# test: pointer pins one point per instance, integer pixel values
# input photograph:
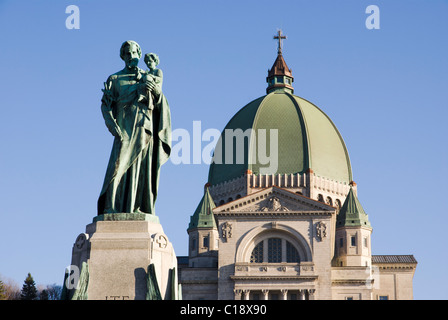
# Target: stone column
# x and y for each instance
(310, 183)
(301, 294)
(311, 294)
(237, 293)
(284, 294)
(248, 181)
(265, 294)
(245, 295)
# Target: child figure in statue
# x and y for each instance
(152, 61)
(153, 74)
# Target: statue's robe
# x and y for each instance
(132, 175)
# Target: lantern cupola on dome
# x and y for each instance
(279, 76)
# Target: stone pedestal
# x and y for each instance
(124, 257)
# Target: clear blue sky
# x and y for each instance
(386, 91)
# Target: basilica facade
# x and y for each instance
(287, 226)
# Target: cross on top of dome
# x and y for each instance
(279, 37)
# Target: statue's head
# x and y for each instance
(131, 53)
(152, 60)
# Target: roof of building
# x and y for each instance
(182, 260)
(279, 76)
(393, 259)
(203, 216)
(279, 68)
(306, 136)
(352, 213)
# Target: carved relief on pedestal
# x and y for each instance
(161, 240)
(81, 240)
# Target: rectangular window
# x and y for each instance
(205, 242)
(193, 244)
(274, 250)
(348, 298)
(341, 242)
(291, 253)
(383, 298)
(353, 239)
(365, 242)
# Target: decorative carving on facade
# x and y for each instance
(273, 201)
(228, 189)
(307, 268)
(274, 205)
(242, 268)
(226, 231)
(321, 230)
(282, 268)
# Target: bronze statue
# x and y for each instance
(137, 114)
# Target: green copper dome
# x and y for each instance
(307, 139)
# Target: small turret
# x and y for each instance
(353, 233)
(203, 234)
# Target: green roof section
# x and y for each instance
(307, 139)
(328, 155)
(306, 136)
(352, 214)
(220, 170)
(279, 112)
(203, 216)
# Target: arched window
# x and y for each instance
(278, 250)
(320, 198)
(338, 203)
(329, 201)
